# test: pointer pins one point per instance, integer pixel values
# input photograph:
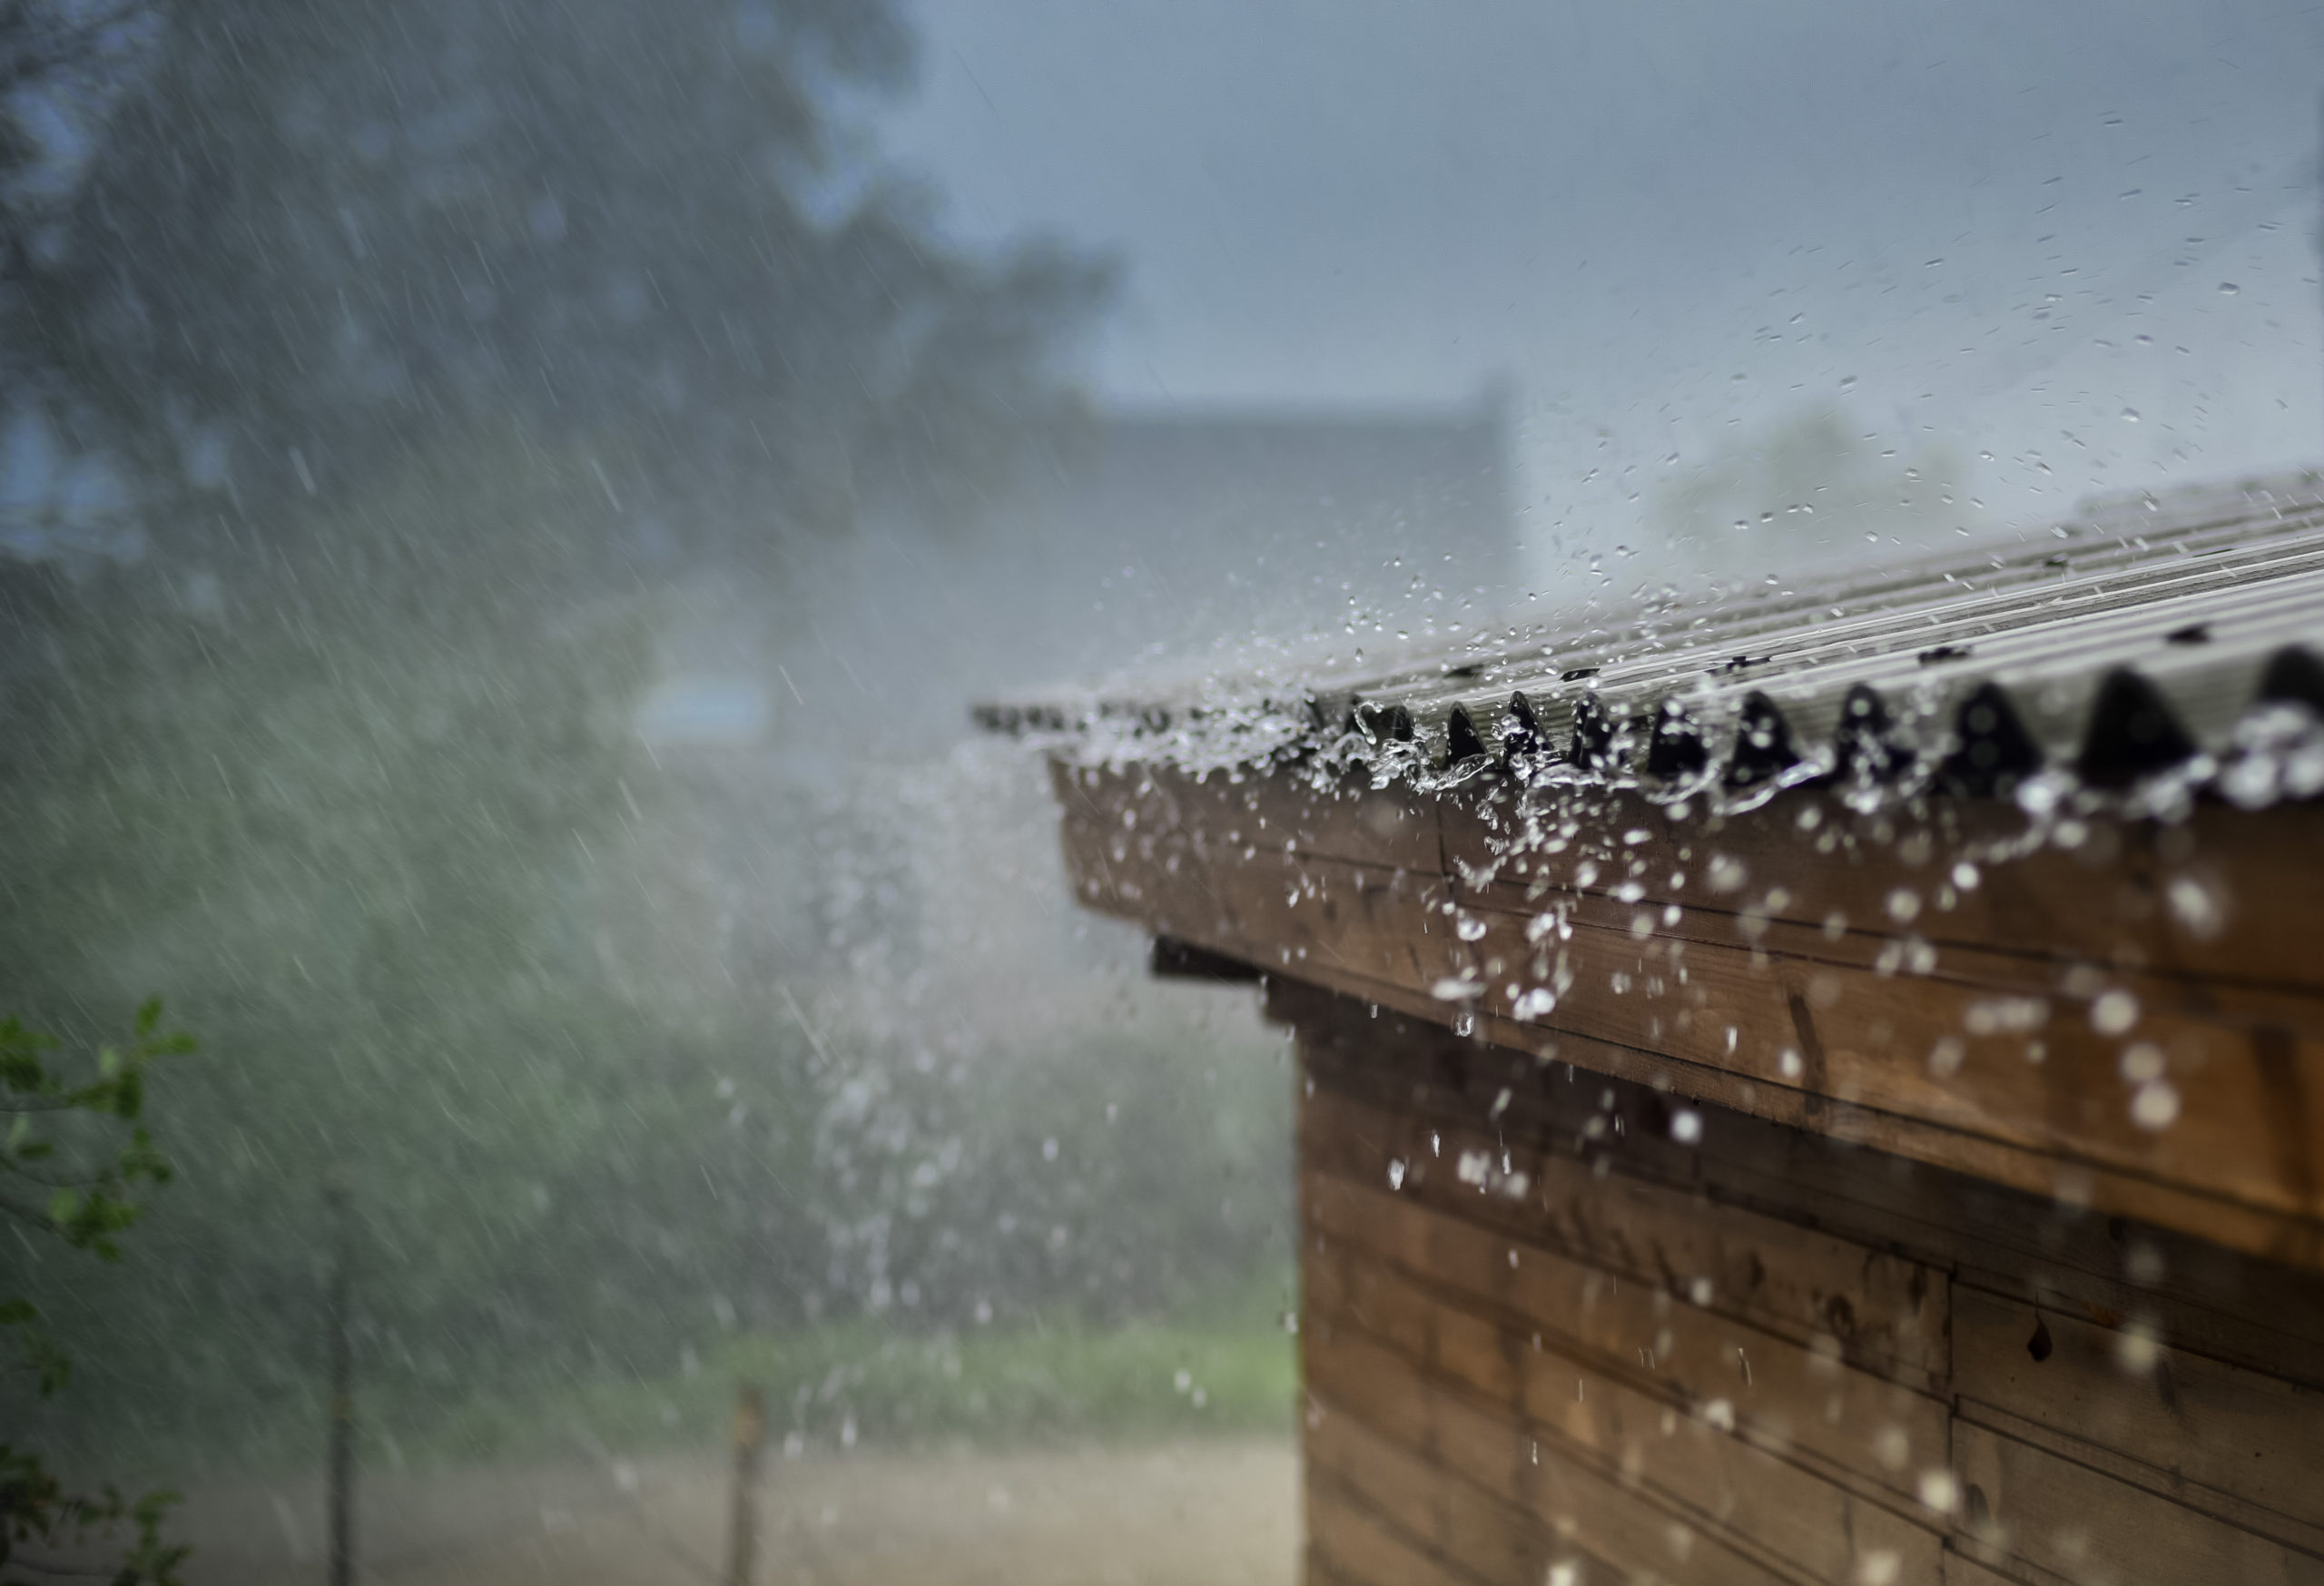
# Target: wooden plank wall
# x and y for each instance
(1807, 965)
(1560, 1328)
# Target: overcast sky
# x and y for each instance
(1672, 223)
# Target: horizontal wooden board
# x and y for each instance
(2216, 1437)
(1885, 1312)
(2015, 1069)
(2129, 1450)
(1963, 1570)
(1899, 950)
(2088, 1527)
(1737, 993)
(1353, 1543)
(1926, 1048)
(1695, 1464)
(1804, 1398)
(1361, 919)
(2203, 901)
(2201, 1296)
(1479, 1532)
(2073, 1183)
(1575, 1500)
(2200, 903)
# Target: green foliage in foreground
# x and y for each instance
(1233, 1368)
(67, 1173)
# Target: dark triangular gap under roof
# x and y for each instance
(1995, 753)
(1763, 745)
(1676, 749)
(2132, 732)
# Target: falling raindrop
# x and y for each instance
(2114, 1012)
(2156, 1106)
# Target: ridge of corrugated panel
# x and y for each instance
(2170, 640)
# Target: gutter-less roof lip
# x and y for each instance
(2159, 647)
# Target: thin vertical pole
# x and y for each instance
(750, 1431)
(342, 1473)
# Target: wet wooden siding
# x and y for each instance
(1559, 1326)
(1839, 973)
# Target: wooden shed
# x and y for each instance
(1810, 1086)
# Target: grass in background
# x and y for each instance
(1231, 1367)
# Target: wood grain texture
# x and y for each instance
(1351, 1543)
(1493, 1290)
(1807, 1397)
(1480, 1533)
(2088, 1527)
(1696, 1465)
(1884, 1312)
(1569, 1499)
(2243, 1444)
(2199, 1294)
(2045, 1028)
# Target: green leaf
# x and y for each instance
(64, 1207)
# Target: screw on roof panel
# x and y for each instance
(2132, 733)
(1763, 747)
(1996, 753)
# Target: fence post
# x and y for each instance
(341, 1455)
(750, 1432)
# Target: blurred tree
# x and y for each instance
(64, 63)
(332, 812)
(61, 63)
(428, 328)
(322, 235)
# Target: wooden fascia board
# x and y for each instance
(1873, 993)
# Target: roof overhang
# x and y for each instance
(2096, 974)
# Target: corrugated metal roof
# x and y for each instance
(2153, 646)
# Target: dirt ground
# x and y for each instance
(1207, 1513)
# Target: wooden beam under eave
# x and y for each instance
(1961, 1028)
